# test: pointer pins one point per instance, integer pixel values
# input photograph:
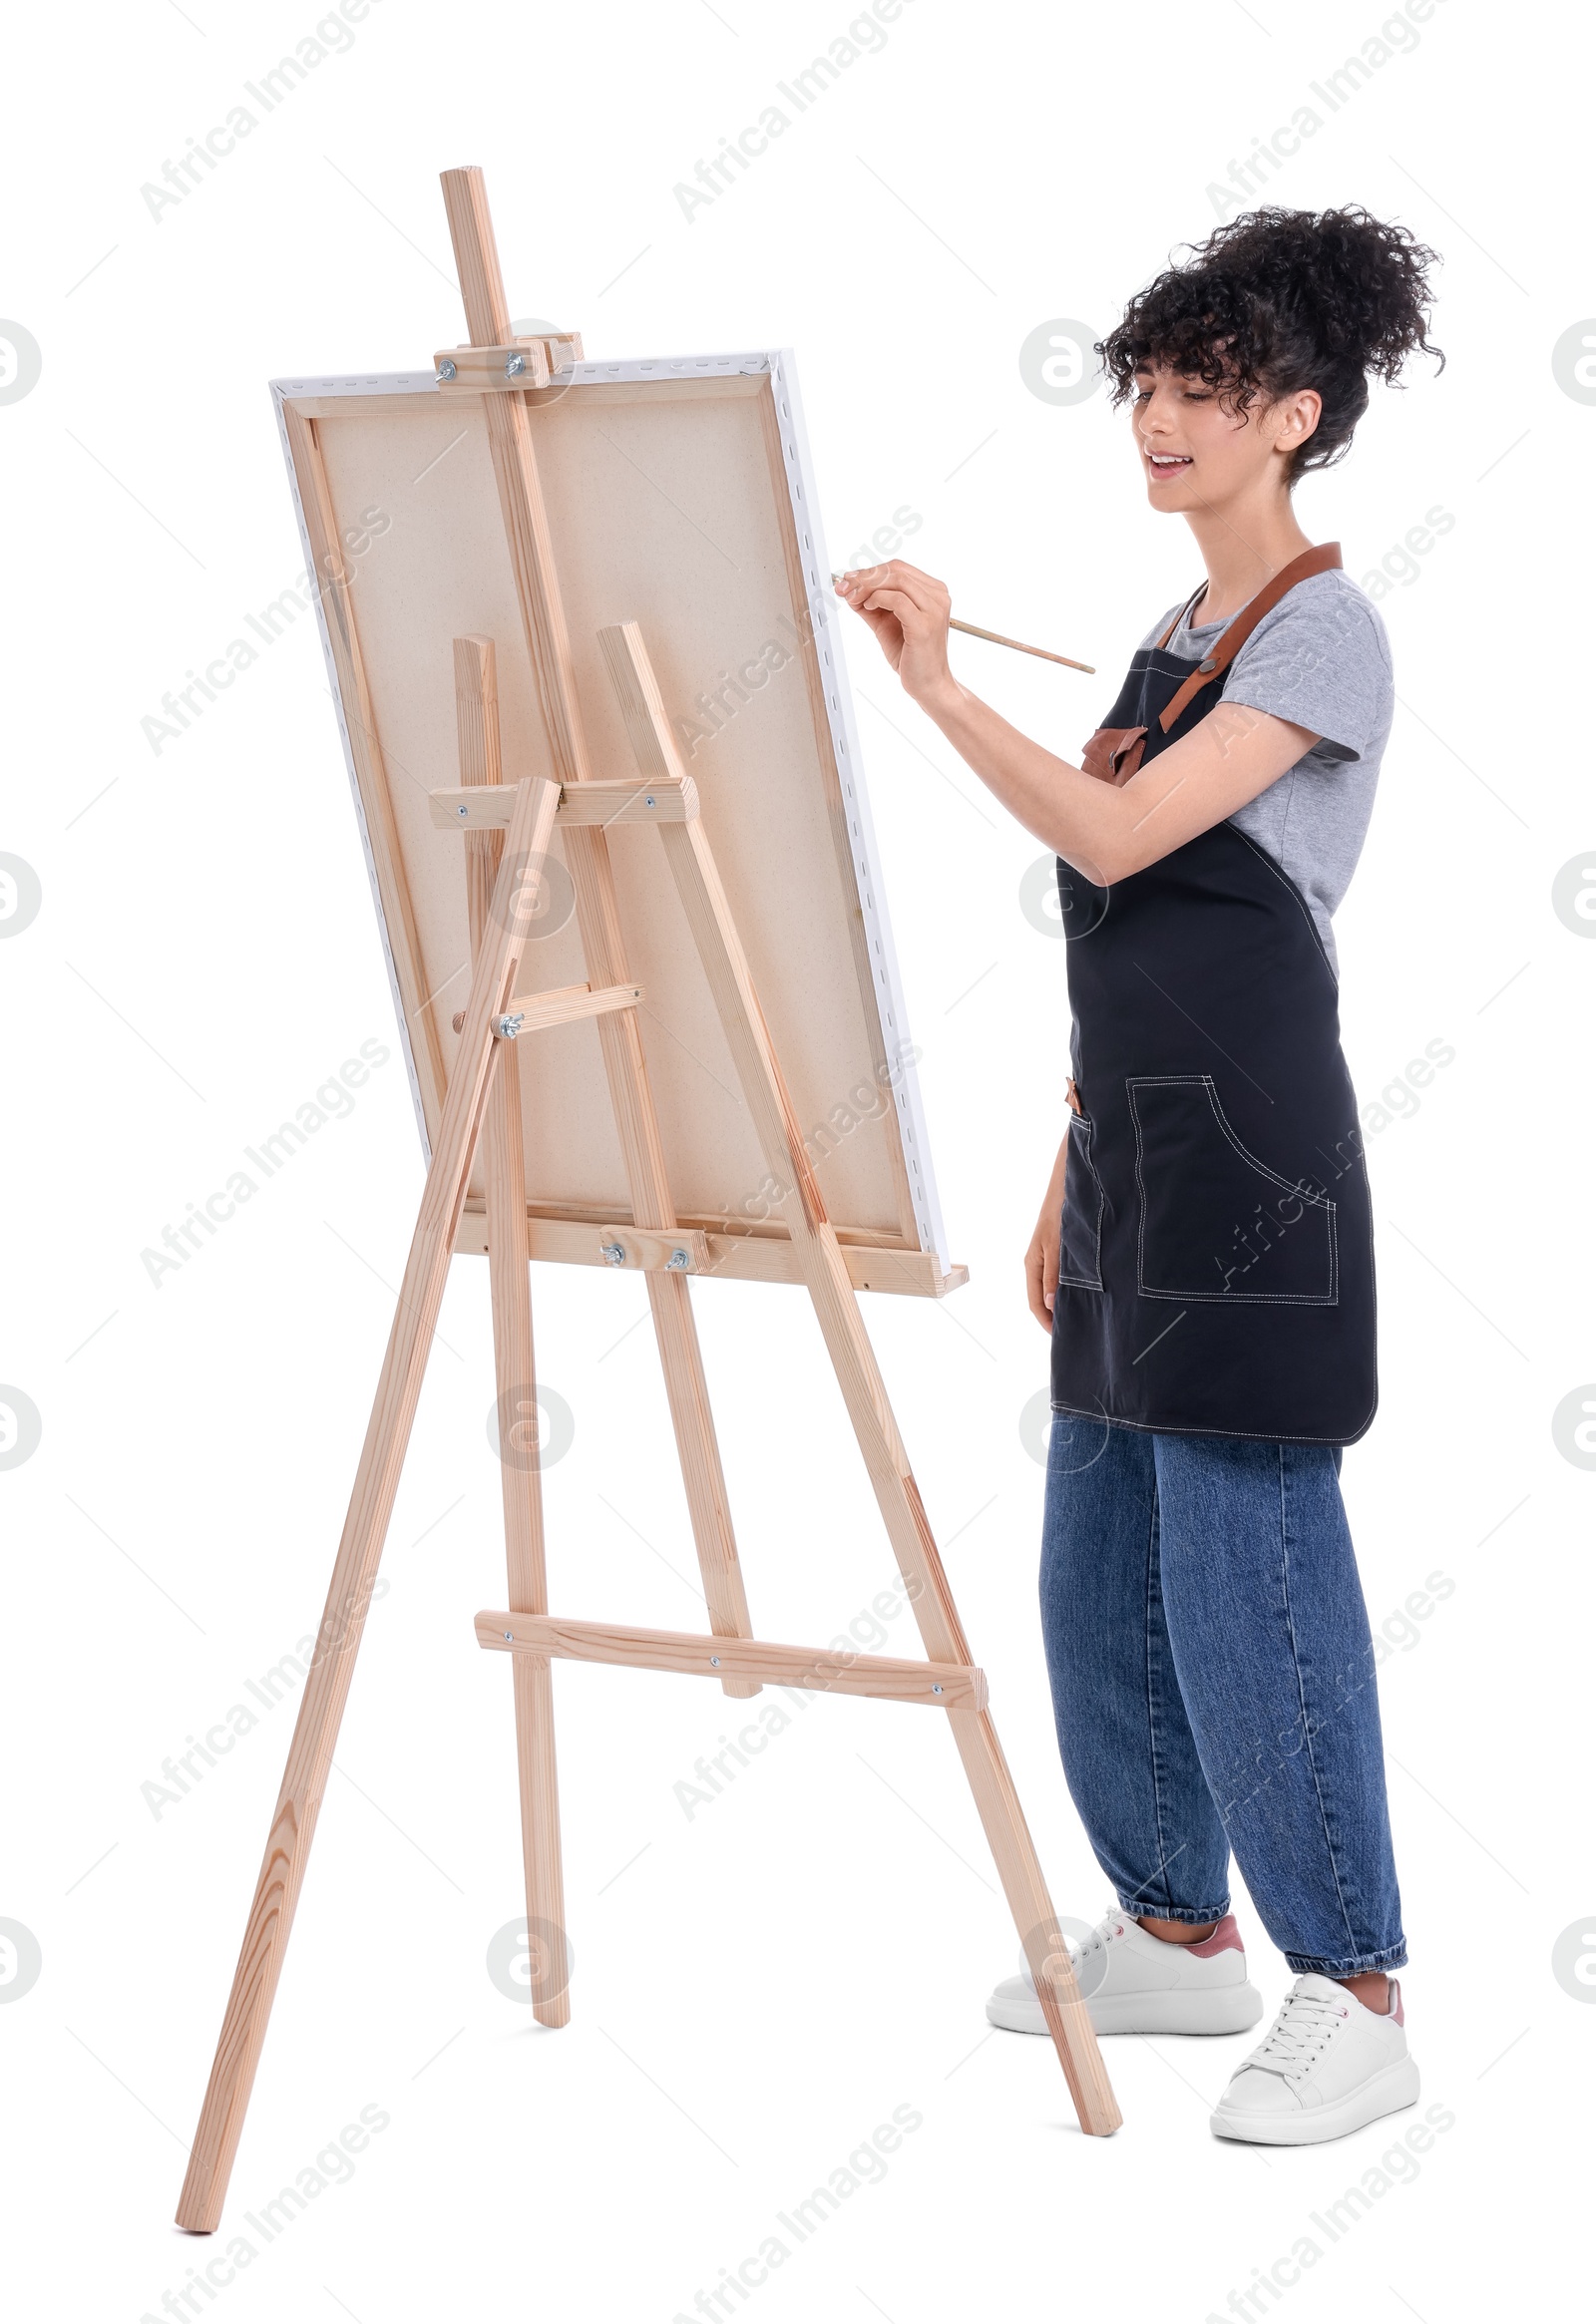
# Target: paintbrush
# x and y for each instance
(996, 637)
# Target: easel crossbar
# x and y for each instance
(816, 1669)
(571, 1001)
(600, 801)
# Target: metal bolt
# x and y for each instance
(936, 1689)
(614, 1254)
(463, 810)
(648, 801)
(445, 369)
(715, 1659)
(515, 366)
(680, 1258)
(509, 1633)
(507, 1026)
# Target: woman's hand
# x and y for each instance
(1042, 1260)
(908, 611)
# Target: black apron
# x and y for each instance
(1216, 1258)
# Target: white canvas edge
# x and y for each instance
(392, 384)
(781, 368)
(823, 607)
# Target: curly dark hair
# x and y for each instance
(1281, 299)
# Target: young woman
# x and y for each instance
(1203, 1260)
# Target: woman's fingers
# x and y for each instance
(909, 613)
(923, 589)
(1042, 1273)
(916, 620)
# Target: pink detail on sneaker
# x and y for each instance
(1225, 1939)
(1396, 2008)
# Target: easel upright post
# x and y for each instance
(508, 430)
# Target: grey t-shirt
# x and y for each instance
(1322, 660)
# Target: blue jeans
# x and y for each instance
(1213, 1684)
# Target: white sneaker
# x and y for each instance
(1133, 1982)
(1327, 2067)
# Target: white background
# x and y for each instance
(757, 1986)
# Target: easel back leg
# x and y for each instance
(514, 1375)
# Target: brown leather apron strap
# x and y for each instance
(1325, 559)
(1181, 616)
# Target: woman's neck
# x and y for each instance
(1242, 548)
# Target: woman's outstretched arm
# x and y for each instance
(1108, 833)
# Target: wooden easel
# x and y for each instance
(507, 830)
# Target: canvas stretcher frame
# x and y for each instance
(877, 1173)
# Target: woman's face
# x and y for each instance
(1197, 452)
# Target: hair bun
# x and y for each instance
(1281, 299)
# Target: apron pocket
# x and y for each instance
(1080, 1234)
(1216, 1223)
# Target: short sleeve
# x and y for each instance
(1319, 660)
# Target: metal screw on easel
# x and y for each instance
(510, 1637)
(515, 365)
(680, 1259)
(507, 1027)
(614, 1254)
(714, 1662)
(446, 370)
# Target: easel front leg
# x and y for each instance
(510, 1289)
(897, 1495)
(859, 1377)
(244, 2029)
(1026, 1886)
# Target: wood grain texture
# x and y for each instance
(682, 1251)
(1047, 1952)
(568, 1006)
(484, 370)
(598, 915)
(360, 1549)
(515, 1374)
(817, 1669)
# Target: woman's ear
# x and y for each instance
(1296, 417)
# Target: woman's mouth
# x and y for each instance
(1166, 465)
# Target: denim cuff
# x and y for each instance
(1187, 1916)
(1350, 1964)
